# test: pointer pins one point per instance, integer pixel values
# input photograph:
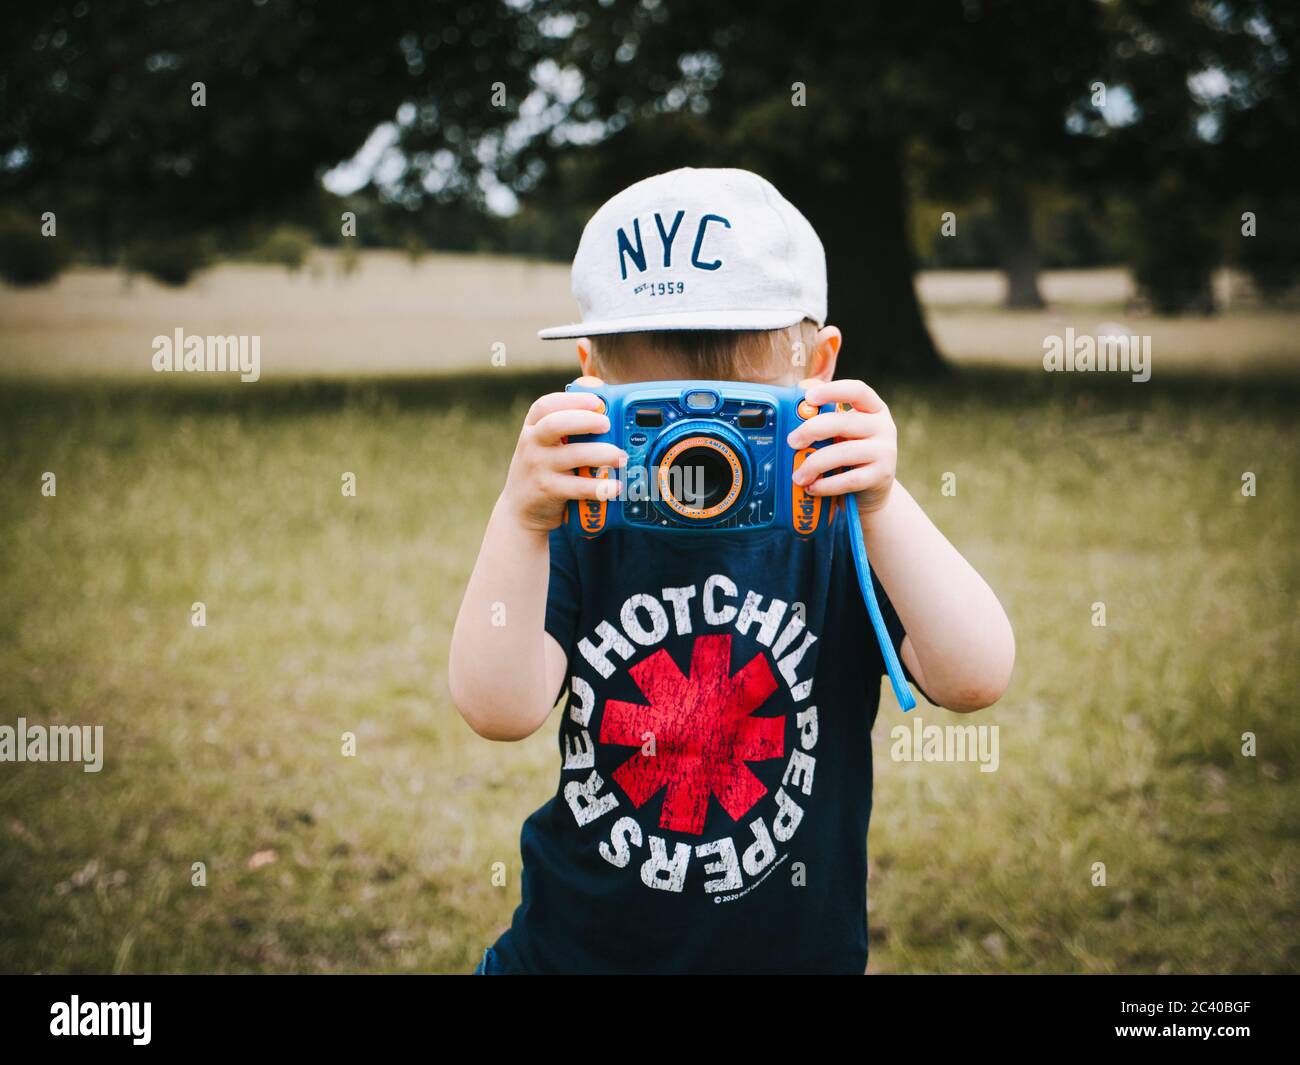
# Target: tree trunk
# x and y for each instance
(869, 263)
(1018, 252)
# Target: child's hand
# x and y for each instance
(541, 477)
(867, 444)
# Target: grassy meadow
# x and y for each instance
(328, 614)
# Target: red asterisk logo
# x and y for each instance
(703, 733)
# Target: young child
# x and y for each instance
(715, 784)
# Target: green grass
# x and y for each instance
(328, 615)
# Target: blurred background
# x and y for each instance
(388, 197)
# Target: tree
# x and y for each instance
(137, 118)
(1215, 127)
(763, 86)
(836, 104)
(142, 118)
(1006, 82)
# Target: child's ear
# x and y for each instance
(825, 352)
(586, 358)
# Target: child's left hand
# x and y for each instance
(866, 444)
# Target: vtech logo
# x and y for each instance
(632, 248)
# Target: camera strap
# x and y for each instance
(901, 691)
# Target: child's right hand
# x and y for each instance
(541, 478)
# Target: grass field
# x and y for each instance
(328, 614)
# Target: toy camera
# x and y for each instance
(703, 456)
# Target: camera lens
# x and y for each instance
(701, 478)
(705, 476)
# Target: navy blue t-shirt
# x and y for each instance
(715, 782)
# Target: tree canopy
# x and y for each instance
(142, 117)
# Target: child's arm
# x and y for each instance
(505, 669)
(959, 644)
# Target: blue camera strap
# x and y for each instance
(901, 691)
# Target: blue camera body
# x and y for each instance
(703, 456)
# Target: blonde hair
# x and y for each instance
(708, 354)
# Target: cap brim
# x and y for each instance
(646, 323)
